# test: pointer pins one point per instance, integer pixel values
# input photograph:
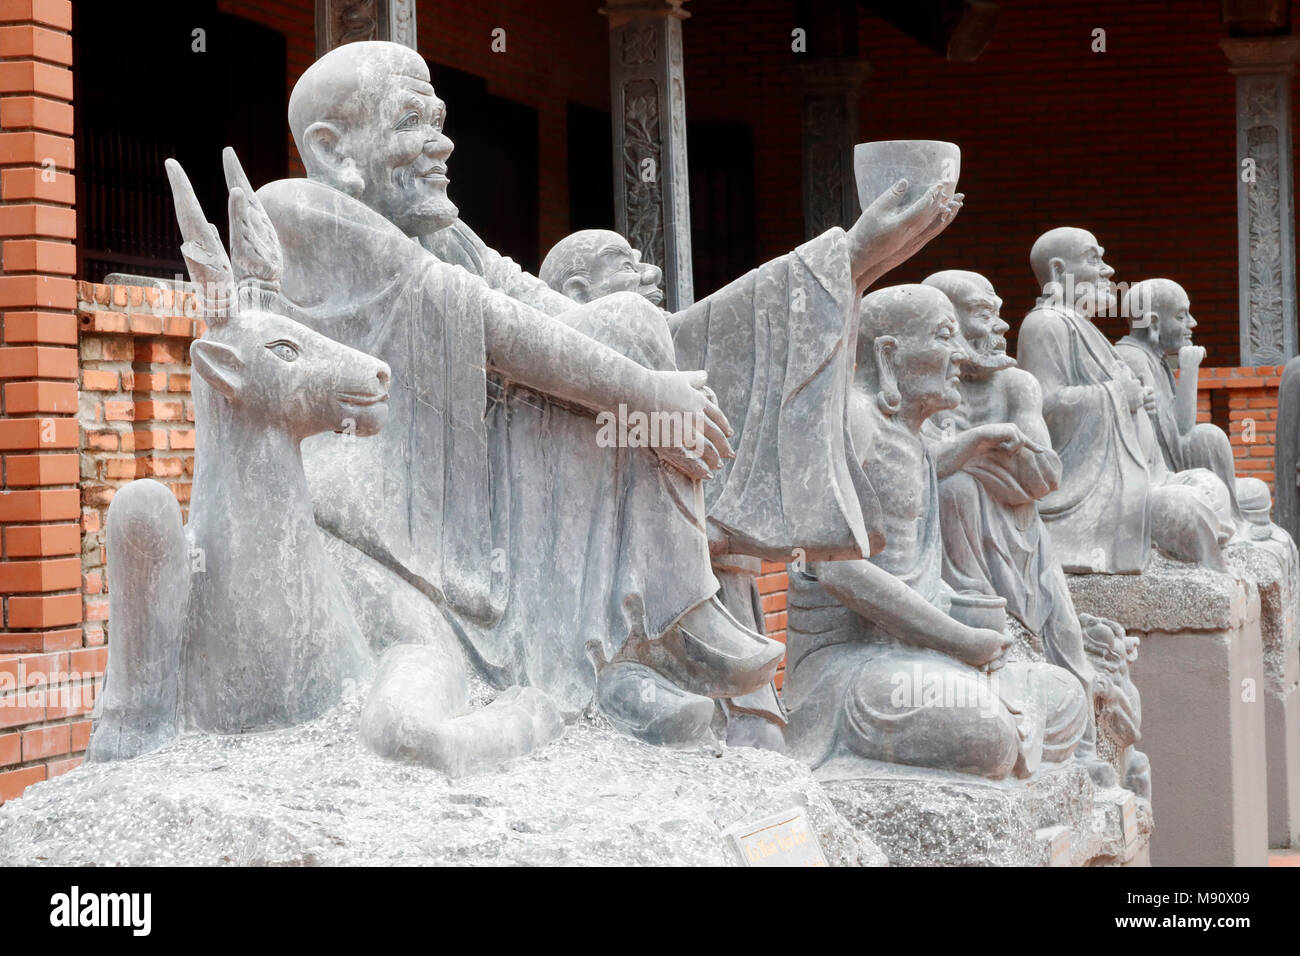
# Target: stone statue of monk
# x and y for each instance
(878, 668)
(1108, 509)
(448, 526)
(994, 460)
(1160, 323)
(584, 266)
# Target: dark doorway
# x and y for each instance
(493, 170)
(720, 158)
(591, 169)
(149, 87)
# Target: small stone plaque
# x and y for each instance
(783, 839)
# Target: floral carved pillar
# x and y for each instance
(345, 21)
(1265, 200)
(831, 87)
(648, 103)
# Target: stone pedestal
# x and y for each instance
(648, 102)
(1272, 564)
(1201, 675)
(1264, 67)
(313, 795)
(922, 817)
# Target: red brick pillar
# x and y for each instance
(40, 568)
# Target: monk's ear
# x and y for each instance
(577, 288)
(888, 396)
(1057, 266)
(323, 148)
(219, 365)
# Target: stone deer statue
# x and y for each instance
(237, 621)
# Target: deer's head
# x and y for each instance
(273, 369)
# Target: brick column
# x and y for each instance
(40, 568)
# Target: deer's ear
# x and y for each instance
(219, 365)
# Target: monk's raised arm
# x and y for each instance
(534, 349)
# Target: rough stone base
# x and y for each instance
(314, 795)
(1201, 675)
(927, 818)
(1272, 564)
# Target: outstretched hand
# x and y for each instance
(888, 234)
(697, 447)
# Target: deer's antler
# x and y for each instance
(208, 264)
(254, 246)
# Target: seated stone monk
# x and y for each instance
(453, 525)
(863, 634)
(593, 263)
(994, 460)
(1108, 509)
(1160, 322)
(587, 265)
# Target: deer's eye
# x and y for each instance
(285, 351)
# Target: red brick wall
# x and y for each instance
(1251, 400)
(137, 420)
(49, 670)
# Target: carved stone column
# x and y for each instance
(831, 86)
(345, 21)
(1265, 199)
(648, 103)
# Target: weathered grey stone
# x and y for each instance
(1203, 720)
(238, 623)
(314, 795)
(923, 164)
(886, 661)
(994, 461)
(1160, 322)
(523, 570)
(1109, 509)
(929, 818)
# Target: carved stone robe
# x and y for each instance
(1099, 517)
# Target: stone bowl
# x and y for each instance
(922, 162)
(979, 610)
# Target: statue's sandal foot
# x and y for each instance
(649, 707)
(712, 654)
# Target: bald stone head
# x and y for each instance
(1159, 313)
(910, 351)
(366, 122)
(1068, 265)
(978, 311)
(593, 263)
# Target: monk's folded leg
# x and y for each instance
(922, 708)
